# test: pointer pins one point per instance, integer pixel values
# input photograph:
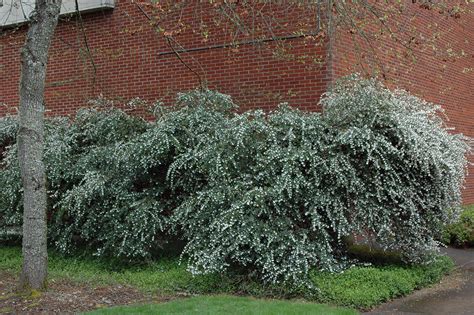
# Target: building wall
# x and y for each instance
(130, 59)
(439, 67)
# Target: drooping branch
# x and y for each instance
(86, 43)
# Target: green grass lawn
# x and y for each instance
(359, 287)
(228, 305)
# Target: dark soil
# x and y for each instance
(67, 297)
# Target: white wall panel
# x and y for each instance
(17, 11)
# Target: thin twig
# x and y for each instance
(86, 44)
(168, 40)
(176, 53)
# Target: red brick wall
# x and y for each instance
(132, 60)
(441, 72)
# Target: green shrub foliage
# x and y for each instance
(275, 193)
(461, 232)
(400, 167)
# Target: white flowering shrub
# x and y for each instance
(107, 175)
(8, 130)
(10, 181)
(273, 193)
(98, 199)
(118, 198)
(400, 169)
(259, 206)
(284, 188)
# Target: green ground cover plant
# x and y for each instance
(368, 286)
(461, 232)
(361, 287)
(267, 195)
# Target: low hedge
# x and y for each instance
(273, 194)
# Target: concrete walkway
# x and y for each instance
(453, 296)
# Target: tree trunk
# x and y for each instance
(34, 58)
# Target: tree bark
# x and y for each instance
(34, 59)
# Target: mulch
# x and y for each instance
(66, 297)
